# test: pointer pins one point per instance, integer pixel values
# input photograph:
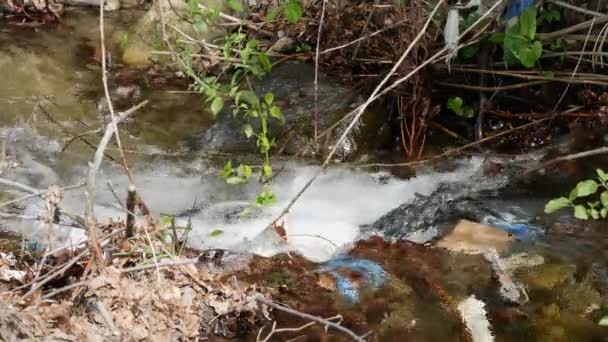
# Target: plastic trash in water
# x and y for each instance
(352, 274)
(517, 227)
(516, 7)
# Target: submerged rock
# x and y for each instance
(147, 34)
(292, 84)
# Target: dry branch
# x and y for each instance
(320, 320)
(92, 175)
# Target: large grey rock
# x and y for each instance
(147, 35)
(292, 84)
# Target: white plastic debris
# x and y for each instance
(452, 27)
(509, 289)
(475, 317)
(12, 275)
(451, 32)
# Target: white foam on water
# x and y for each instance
(324, 221)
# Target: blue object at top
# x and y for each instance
(516, 7)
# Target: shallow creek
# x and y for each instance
(49, 76)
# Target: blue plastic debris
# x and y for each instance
(519, 229)
(516, 7)
(345, 269)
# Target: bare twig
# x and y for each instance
(316, 83)
(51, 276)
(459, 149)
(561, 98)
(104, 78)
(274, 329)
(576, 8)
(130, 210)
(20, 186)
(157, 268)
(125, 270)
(37, 194)
(335, 48)
(106, 316)
(364, 29)
(492, 89)
(585, 154)
(92, 174)
(581, 26)
(320, 320)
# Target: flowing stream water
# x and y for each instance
(49, 76)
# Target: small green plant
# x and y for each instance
(595, 208)
(549, 14)
(303, 48)
(292, 10)
(456, 105)
(519, 43)
(243, 59)
(202, 18)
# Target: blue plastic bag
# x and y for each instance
(371, 272)
(516, 7)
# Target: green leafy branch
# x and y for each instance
(584, 188)
(243, 59)
(519, 42)
(292, 10)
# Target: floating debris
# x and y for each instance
(509, 290)
(353, 274)
(475, 238)
(475, 318)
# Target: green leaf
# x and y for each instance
(216, 232)
(527, 23)
(498, 38)
(247, 130)
(272, 14)
(468, 112)
(244, 171)
(602, 175)
(217, 105)
(586, 188)
(580, 212)
(252, 44)
(594, 214)
(293, 11)
(235, 180)
(275, 112)
(247, 96)
(604, 212)
(264, 144)
(265, 61)
(268, 98)
(266, 197)
(267, 171)
(603, 322)
(234, 5)
(227, 171)
(166, 220)
(455, 104)
(556, 204)
(604, 199)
